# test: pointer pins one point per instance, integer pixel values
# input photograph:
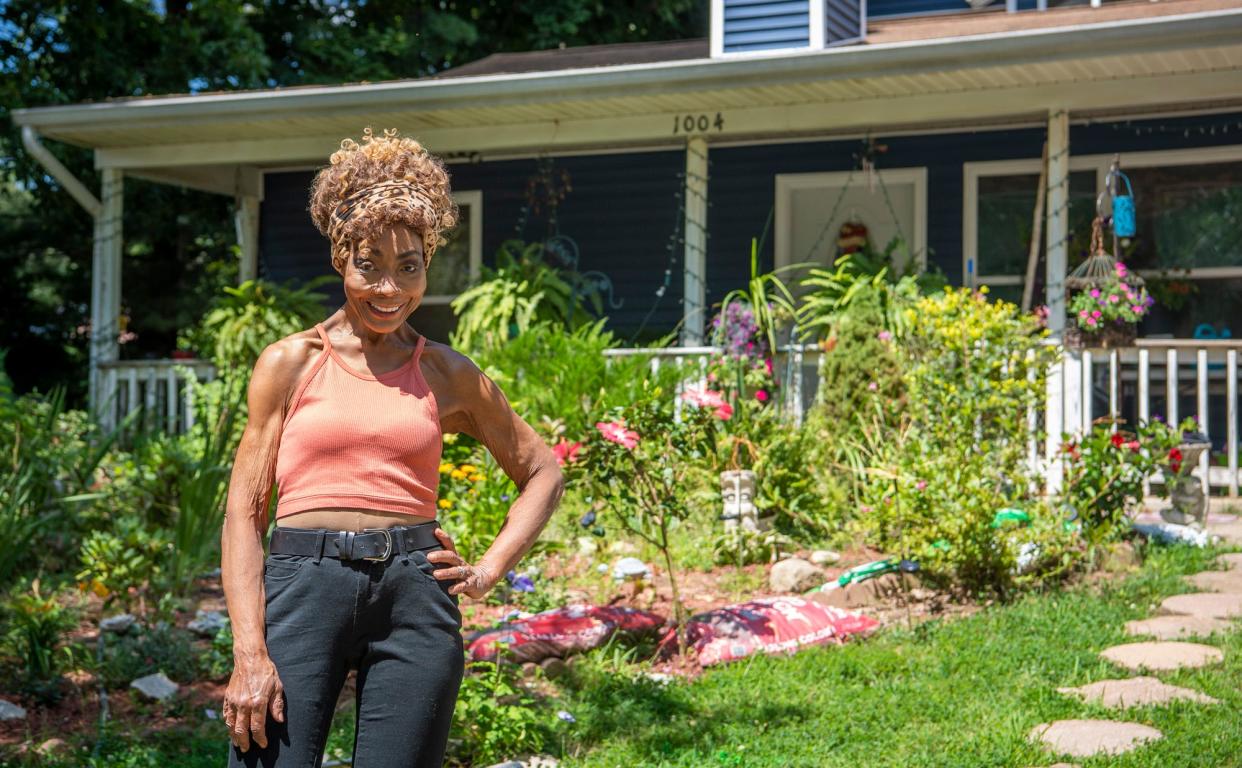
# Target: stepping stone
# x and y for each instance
(1177, 627)
(1213, 605)
(1162, 656)
(1086, 738)
(1231, 561)
(1230, 533)
(1135, 692)
(1217, 581)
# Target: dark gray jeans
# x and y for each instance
(393, 622)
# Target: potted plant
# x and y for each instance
(1109, 302)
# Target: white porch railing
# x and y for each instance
(154, 386)
(1171, 378)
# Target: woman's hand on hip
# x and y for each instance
(472, 580)
(253, 691)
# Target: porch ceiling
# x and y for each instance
(1141, 64)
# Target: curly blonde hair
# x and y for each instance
(379, 159)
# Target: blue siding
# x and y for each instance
(754, 25)
(620, 211)
(880, 8)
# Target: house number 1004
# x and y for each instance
(697, 123)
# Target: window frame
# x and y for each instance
(973, 171)
(788, 183)
(473, 199)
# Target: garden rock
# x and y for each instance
(1162, 656)
(586, 545)
(207, 623)
(630, 568)
(156, 686)
(1176, 627)
(118, 623)
(11, 711)
(1135, 692)
(864, 594)
(51, 746)
(1217, 581)
(1213, 605)
(1120, 558)
(794, 575)
(1086, 738)
(825, 557)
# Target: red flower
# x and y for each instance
(1175, 460)
(1117, 439)
(566, 452)
(615, 431)
(1133, 445)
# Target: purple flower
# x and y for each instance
(520, 583)
(567, 717)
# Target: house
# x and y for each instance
(677, 154)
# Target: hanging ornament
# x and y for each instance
(851, 238)
(1124, 224)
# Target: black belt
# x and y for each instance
(370, 544)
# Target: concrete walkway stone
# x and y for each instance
(1135, 692)
(1217, 581)
(1176, 627)
(1213, 605)
(1162, 656)
(1086, 738)
(1230, 533)
(1231, 561)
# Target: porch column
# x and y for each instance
(1062, 413)
(694, 301)
(106, 295)
(246, 222)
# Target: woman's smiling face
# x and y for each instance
(384, 286)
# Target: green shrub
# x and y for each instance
(522, 291)
(123, 564)
(932, 483)
(146, 649)
(496, 717)
(35, 624)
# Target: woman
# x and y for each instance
(346, 418)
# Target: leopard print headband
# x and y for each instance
(390, 199)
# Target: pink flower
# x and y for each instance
(1121, 269)
(1113, 298)
(761, 395)
(873, 386)
(1090, 321)
(615, 432)
(864, 508)
(1097, 314)
(566, 452)
(1082, 313)
(1095, 293)
(707, 398)
(920, 485)
(767, 363)
(1136, 309)
(884, 336)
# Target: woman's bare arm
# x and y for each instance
(254, 688)
(480, 409)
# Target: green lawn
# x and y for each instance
(953, 693)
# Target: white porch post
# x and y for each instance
(1062, 413)
(106, 294)
(694, 301)
(246, 222)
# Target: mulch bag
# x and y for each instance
(766, 625)
(561, 632)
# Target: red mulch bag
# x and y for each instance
(561, 631)
(767, 625)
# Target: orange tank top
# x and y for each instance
(358, 441)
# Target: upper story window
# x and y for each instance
(742, 27)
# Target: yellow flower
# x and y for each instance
(477, 477)
(446, 467)
(99, 588)
(445, 504)
(469, 468)
(457, 474)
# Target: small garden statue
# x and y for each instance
(1189, 504)
(737, 491)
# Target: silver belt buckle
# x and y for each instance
(387, 542)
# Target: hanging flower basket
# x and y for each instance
(1107, 302)
(1108, 337)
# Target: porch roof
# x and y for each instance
(981, 67)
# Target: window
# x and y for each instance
(1000, 209)
(1189, 218)
(454, 268)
